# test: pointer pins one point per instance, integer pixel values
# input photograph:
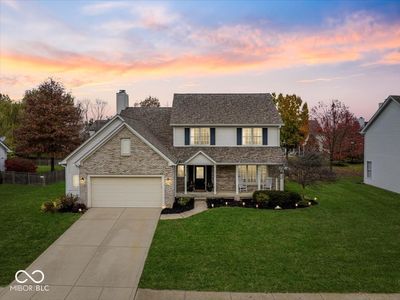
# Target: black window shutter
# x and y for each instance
(239, 136)
(265, 136)
(187, 136)
(212, 136)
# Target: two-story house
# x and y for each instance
(205, 145)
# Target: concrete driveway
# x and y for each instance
(100, 257)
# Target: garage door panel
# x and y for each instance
(126, 192)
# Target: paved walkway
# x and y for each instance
(199, 206)
(145, 294)
(100, 257)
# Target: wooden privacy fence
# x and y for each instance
(12, 177)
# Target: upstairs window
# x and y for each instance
(125, 147)
(199, 136)
(252, 136)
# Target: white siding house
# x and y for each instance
(4, 150)
(382, 146)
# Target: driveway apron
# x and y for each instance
(101, 256)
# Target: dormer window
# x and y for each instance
(199, 136)
(125, 147)
(252, 136)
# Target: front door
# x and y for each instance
(199, 175)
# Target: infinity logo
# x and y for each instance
(29, 276)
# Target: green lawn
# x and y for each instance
(45, 169)
(25, 232)
(350, 242)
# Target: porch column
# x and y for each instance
(258, 178)
(237, 180)
(282, 181)
(276, 183)
(215, 179)
(185, 183)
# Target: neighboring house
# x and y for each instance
(382, 146)
(4, 150)
(314, 140)
(219, 145)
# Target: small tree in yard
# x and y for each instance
(307, 169)
(50, 124)
(335, 122)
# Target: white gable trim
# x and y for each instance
(5, 147)
(378, 112)
(200, 153)
(64, 161)
(113, 133)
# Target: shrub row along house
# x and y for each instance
(221, 145)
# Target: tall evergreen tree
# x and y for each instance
(51, 124)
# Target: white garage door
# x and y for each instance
(126, 192)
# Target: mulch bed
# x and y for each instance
(177, 209)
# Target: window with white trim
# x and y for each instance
(369, 169)
(248, 174)
(252, 136)
(181, 171)
(199, 136)
(125, 147)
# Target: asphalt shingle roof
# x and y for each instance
(154, 125)
(241, 109)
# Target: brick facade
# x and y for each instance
(107, 160)
(226, 178)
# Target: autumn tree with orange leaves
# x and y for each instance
(50, 123)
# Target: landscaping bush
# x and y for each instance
(180, 205)
(183, 201)
(79, 208)
(261, 198)
(303, 203)
(282, 199)
(19, 164)
(48, 206)
(218, 202)
(66, 203)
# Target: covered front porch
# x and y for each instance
(203, 177)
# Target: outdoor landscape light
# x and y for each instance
(256, 205)
(315, 198)
(212, 204)
(309, 203)
(296, 205)
(226, 203)
(243, 203)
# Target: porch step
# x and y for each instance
(198, 199)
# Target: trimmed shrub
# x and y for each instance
(302, 203)
(48, 206)
(183, 201)
(79, 208)
(19, 164)
(283, 199)
(66, 203)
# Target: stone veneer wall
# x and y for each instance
(107, 160)
(226, 178)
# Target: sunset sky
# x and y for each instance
(319, 50)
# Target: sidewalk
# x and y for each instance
(146, 294)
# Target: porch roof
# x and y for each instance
(234, 155)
